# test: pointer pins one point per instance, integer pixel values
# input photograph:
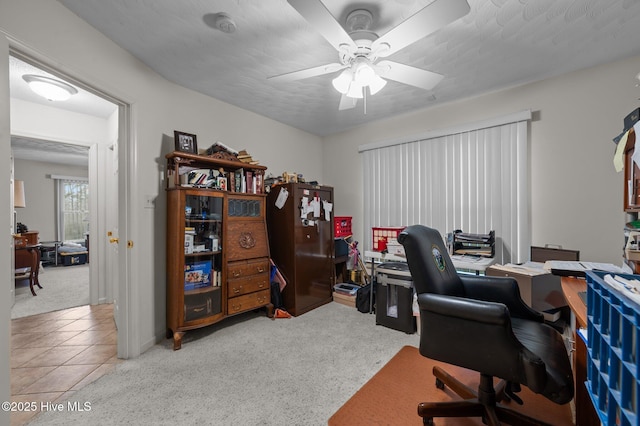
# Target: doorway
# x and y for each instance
(91, 122)
(54, 212)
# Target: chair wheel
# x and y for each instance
(428, 421)
(439, 384)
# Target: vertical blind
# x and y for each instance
(474, 180)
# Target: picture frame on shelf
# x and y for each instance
(222, 183)
(185, 142)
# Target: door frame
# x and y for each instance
(127, 331)
(6, 250)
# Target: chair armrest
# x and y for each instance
(465, 309)
(503, 290)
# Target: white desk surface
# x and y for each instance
(479, 264)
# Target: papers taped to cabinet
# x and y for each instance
(282, 198)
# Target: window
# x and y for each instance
(472, 178)
(72, 209)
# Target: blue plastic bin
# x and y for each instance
(613, 361)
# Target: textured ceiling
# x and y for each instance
(50, 152)
(500, 43)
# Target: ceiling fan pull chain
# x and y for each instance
(365, 101)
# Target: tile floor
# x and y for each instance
(57, 353)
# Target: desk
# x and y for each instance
(28, 256)
(585, 413)
(470, 263)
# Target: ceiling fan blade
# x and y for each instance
(406, 74)
(309, 72)
(426, 21)
(315, 12)
(347, 103)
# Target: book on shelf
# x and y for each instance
(244, 156)
(197, 275)
(239, 177)
(259, 178)
(201, 177)
(249, 181)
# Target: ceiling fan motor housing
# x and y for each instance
(358, 20)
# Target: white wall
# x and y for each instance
(39, 214)
(44, 122)
(6, 229)
(159, 107)
(576, 196)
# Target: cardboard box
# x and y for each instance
(344, 299)
(538, 288)
(188, 243)
(197, 275)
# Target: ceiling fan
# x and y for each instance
(360, 48)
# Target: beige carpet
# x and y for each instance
(62, 287)
(392, 396)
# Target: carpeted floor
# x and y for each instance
(392, 396)
(246, 370)
(62, 287)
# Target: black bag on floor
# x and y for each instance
(276, 295)
(364, 302)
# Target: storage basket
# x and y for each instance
(613, 361)
(341, 226)
(382, 235)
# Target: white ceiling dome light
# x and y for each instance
(50, 88)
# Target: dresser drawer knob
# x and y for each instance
(237, 290)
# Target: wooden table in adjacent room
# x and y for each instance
(28, 256)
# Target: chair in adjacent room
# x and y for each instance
(482, 324)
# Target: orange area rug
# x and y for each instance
(392, 396)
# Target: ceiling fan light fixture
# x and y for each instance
(355, 90)
(363, 73)
(49, 88)
(342, 82)
(376, 85)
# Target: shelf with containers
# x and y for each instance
(613, 354)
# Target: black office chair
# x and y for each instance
(481, 323)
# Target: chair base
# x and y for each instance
(483, 403)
